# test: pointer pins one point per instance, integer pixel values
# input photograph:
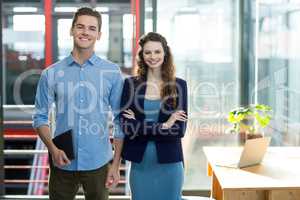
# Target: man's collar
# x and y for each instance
(92, 60)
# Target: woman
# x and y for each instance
(153, 118)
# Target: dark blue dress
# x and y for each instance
(150, 180)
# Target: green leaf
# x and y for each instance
(260, 112)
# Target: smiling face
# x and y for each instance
(153, 54)
(85, 32)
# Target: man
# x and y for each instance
(83, 88)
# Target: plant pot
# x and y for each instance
(254, 136)
(243, 136)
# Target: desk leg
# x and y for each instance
(284, 195)
(217, 192)
(209, 170)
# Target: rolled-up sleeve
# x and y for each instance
(43, 101)
(115, 97)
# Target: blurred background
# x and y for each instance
(231, 52)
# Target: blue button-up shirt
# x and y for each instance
(83, 97)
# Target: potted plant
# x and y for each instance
(249, 120)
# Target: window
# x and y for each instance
(278, 68)
(23, 46)
(127, 39)
(202, 37)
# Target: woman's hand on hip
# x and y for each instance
(129, 114)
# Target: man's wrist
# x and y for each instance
(116, 162)
(52, 148)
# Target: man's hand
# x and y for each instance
(113, 176)
(59, 158)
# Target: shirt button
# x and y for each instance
(81, 69)
(81, 84)
(81, 100)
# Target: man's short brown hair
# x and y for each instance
(87, 11)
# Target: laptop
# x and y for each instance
(252, 154)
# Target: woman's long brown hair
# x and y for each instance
(168, 89)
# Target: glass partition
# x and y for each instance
(278, 67)
(204, 39)
(23, 48)
(149, 15)
(127, 39)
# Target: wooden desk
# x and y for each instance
(276, 178)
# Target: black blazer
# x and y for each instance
(138, 131)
